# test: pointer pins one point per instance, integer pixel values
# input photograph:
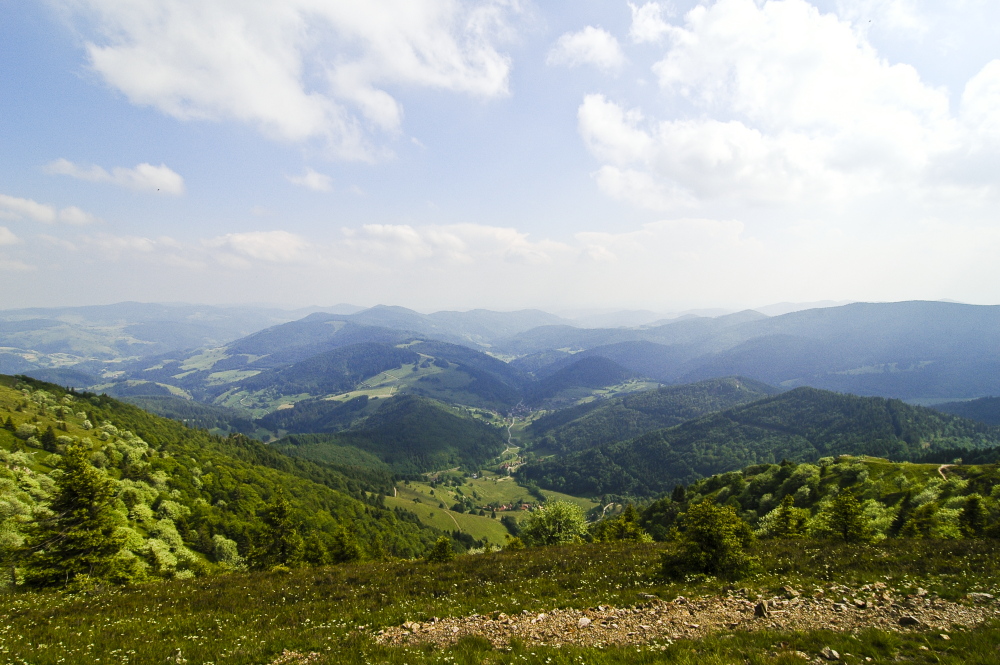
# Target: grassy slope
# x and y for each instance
(250, 619)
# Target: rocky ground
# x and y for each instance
(655, 620)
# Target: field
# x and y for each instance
(425, 500)
(336, 612)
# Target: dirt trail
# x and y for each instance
(942, 468)
(842, 610)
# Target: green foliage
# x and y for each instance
(623, 527)
(712, 540)
(282, 543)
(554, 523)
(801, 425)
(184, 501)
(846, 518)
(442, 550)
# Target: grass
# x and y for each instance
(250, 618)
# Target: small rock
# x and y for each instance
(980, 597)
(761, 610)
(649, 596)
(945, 636)
(411, 626)
(583, 622)
(908, 621)
(839, 607)
(829, 654)
(921, 592)
(790, 592)
(454, 629)
(860, 604)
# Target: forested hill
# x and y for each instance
(409, 434)
(985, 409)
(800, 425)
(599, 423)
(184, 502)
(896, 499)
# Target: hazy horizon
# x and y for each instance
(500, 154)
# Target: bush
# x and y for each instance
(712, 540)
(442, 550)
(557, 523)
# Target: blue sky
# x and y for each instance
(500, 154)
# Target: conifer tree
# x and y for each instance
(283, 544)
(972, 519)
(9, 424)
(81, 536)
(789, 521)
(847, 520)
(48, 439)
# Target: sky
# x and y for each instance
(504, 154)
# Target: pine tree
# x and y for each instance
(847, 518)
(81, 536)
(9, 424)
(283, 545)
(972, 519)
(48, 439)
(677, 496)
(789, 520)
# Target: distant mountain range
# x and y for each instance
(908, 350)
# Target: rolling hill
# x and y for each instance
(800, 425)
(410, 434)
(599, 423)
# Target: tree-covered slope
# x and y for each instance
(411, 434)
(334, 371)
(176, 491)
(896, 499)
(593, 372)
(985, 409)
(600, 423)
(801, 425)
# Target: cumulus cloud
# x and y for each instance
(896, 16)
(144, 177)
(789, 105)
(12, 207)
(7, 237)
(647, 23)
(590, 46)
(313, 180)
(300, 69)
(269, 246)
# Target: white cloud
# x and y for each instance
(313, 180)
(75, 216)
(788, 106)
(7, 237)
(456, 244)
(144, 177)
(647, 23)
(590, 46)
(299, 69)
(12, 207)
(8, 265)
(269, 246)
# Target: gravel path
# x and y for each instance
(839, 609)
